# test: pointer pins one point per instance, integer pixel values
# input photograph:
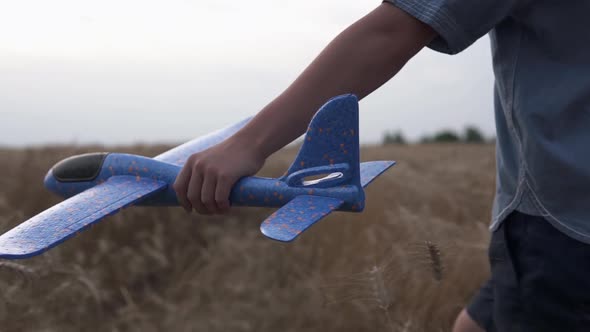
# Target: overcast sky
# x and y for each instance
(121, 71)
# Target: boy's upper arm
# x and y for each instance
(458, 23)
(404, 34)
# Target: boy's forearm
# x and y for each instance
(359, 60)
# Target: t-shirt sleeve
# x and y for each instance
(459, 23)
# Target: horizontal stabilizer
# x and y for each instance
(372, 169)
(298, 215)
(63, 220)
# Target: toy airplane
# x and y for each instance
(101, 184)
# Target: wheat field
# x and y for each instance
(409, 262)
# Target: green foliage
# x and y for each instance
(394, 137)
(446, 136)
(472, 134)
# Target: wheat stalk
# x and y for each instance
(381, 293)
(434, 257)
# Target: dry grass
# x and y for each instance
(408, 263)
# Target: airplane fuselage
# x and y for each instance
(78, 173)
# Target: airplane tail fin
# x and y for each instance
(331, 145)
(328, 158)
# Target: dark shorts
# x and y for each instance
(540, 280)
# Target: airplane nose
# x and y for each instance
(50, 182)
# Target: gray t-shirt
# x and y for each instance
(541, 58)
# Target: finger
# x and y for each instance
(194, 192)
(208, 192)
(181, 186)
(222, 192)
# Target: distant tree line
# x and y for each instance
(470, 134)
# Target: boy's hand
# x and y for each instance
(206, 180)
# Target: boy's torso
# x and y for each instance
(541, 58)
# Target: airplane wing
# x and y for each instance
(180, 154)
(63, 220)
(298, 215)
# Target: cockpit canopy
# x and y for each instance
(83, 167)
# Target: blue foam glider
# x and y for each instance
(325, 176)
